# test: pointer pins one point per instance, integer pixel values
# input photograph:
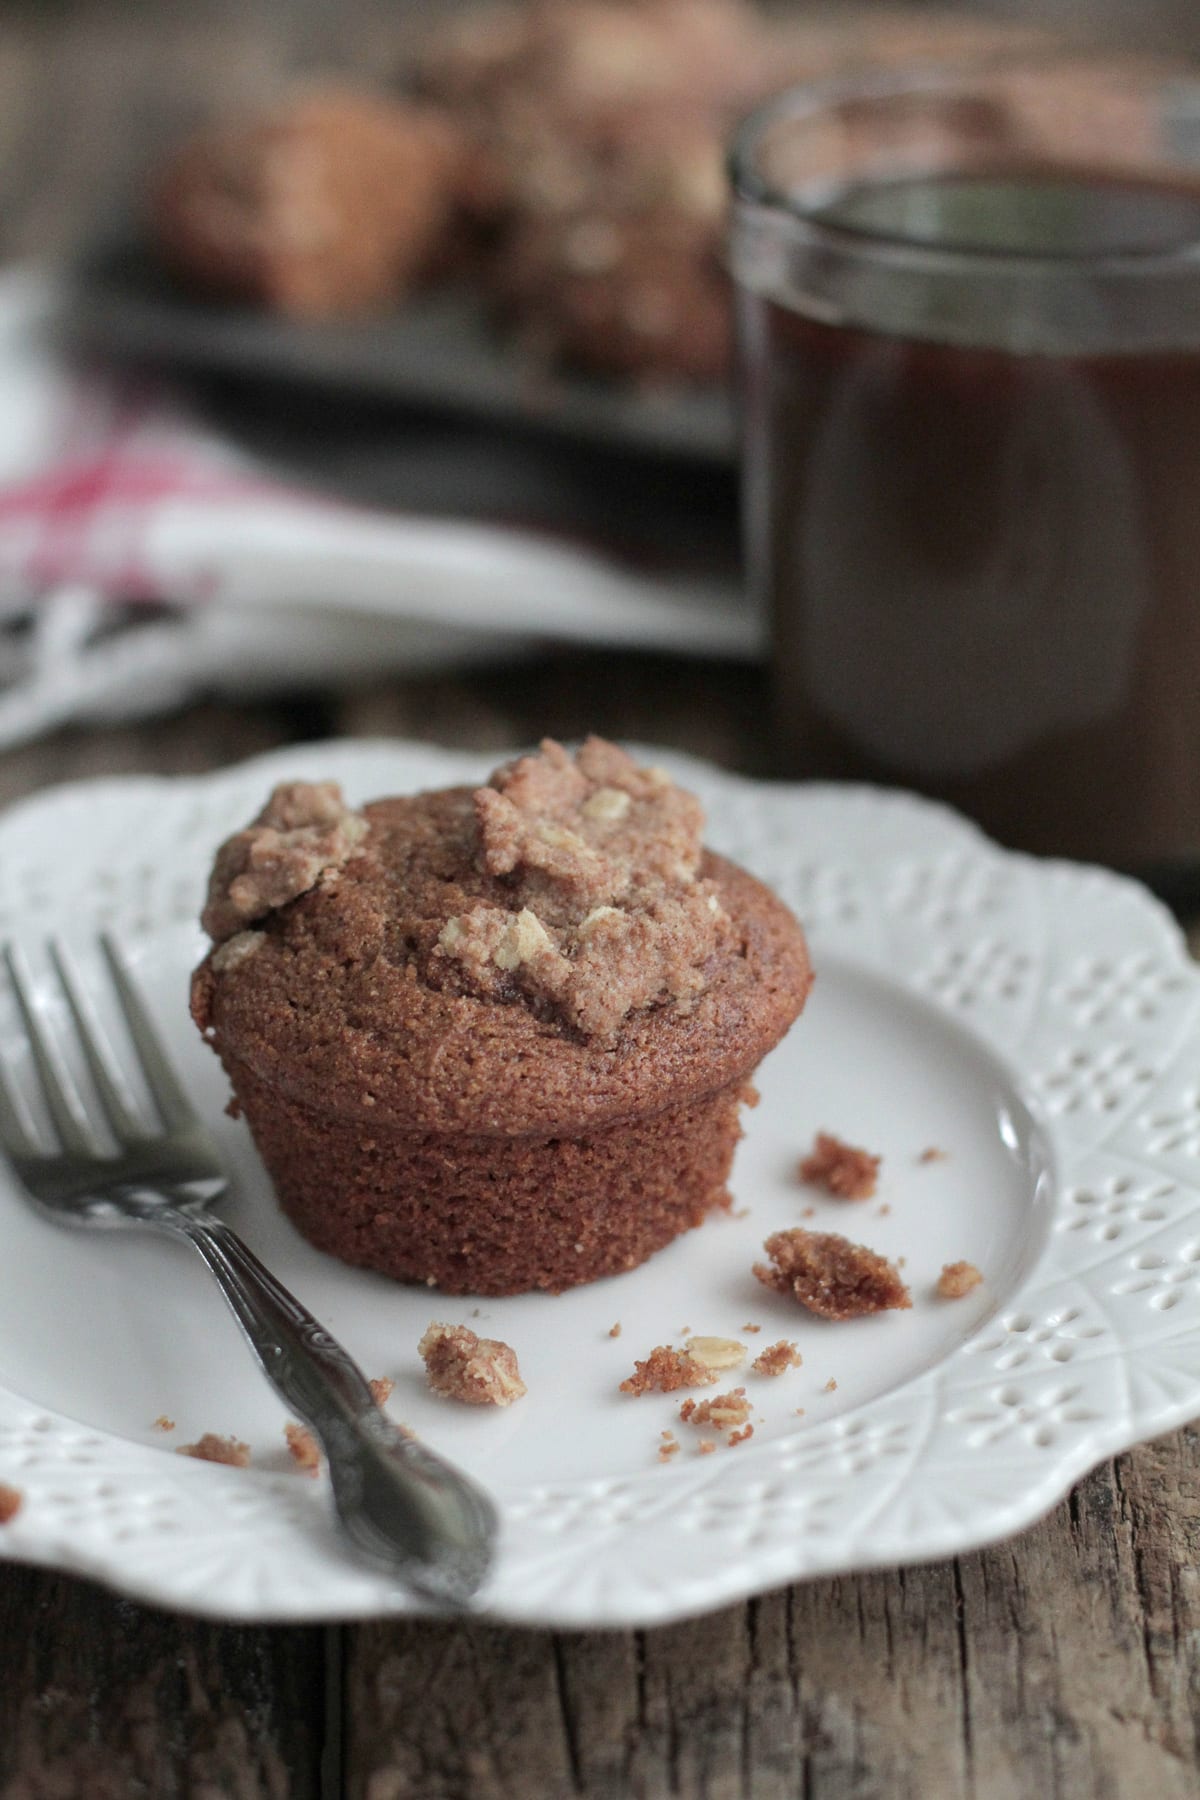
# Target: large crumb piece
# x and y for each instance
(381, 1389)
(724, 1412)
(214, 1449)
(302, 1447)
(958, 1279)
(666, 1369)
(461, 1366)
(841, 1169)
(11, 1502)
(777, 1358)
(831, 1276)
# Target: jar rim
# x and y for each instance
(808, 213)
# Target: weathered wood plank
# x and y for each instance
(104, 1700)
(715, 710)
(203, 737)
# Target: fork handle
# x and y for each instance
(408, 1512)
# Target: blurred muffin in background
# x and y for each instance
(336, 202)
(565, 156)
(615, 266)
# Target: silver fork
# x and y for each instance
(406, 1511)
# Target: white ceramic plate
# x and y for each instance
(1035, 1021)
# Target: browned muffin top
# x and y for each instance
(555, 944)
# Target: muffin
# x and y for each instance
(335, 202)
(495, 1039)
(614, 264)
(601, 129)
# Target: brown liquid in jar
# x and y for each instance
(982, 564)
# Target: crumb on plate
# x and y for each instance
(776, 1358)
(615, 1330)
(11, 1502)
(162, 1423)
(666, 1369)
(958, 1279)
(723, 1411)
(841, 1169)
(461, 1366)
(215, 1449)
(831, 1276)
(382, 1387)
(302, 1447)
(932, 1155)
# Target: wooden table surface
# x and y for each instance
(1063, 1663)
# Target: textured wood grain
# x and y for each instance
(103, 1700)
(713, 710)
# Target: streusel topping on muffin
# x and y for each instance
(305, 831)
(605, 912)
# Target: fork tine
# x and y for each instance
(62, 1100)
(15, 1134)
(174, 1107)
(101, 1061)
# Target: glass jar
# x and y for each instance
(969, 307)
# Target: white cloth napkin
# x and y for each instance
(143, 558)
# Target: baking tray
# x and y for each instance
(439, 354)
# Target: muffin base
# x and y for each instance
(493, 1215)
